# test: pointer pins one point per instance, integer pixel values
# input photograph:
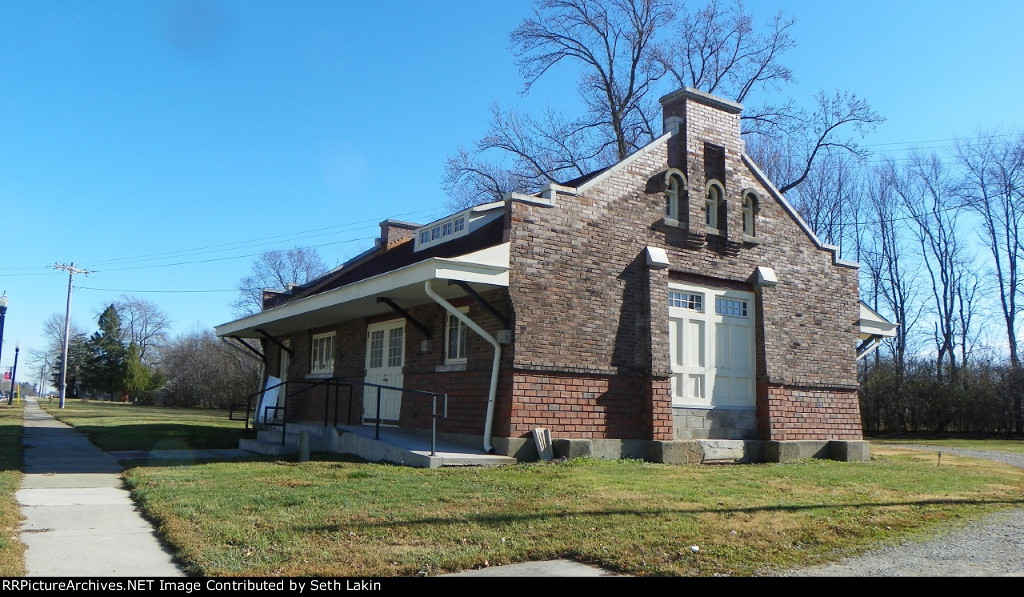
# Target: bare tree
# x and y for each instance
(928, 194)
(144, 324)
(994, 189)
(613, 44)
(530, 153)
(277, 270)
(613, 41)
(893, 277)
(829, 201)
(204, 372)
(624, 48)
(718, 50)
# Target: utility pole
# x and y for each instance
(72, 270)
(43, 369)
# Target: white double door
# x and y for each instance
(385, 356)
(711, 345)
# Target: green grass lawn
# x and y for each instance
(333, 516)
(121, 426)
(12, 559)
(1000, 445)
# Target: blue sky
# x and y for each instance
(164, 144)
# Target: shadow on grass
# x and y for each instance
(145, 459)
(161, 436)
(504, 519)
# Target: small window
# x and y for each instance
(712, 205)
(460, 223)
(749, 211)
(675, 197)
(435, 233)
(732, 307)
(396, 346)
(686, 300)
(456, 336)
(322, 354)
(446, 228)
(376, 349)
(425, 236)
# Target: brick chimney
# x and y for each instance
(392, 231)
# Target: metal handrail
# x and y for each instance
(336, 383)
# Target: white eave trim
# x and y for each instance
(622, 164)
(872, 324)
(793, 213)
(487, 266)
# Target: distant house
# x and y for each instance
(672, 307)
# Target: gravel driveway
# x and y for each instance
(991, 546)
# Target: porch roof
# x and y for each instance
(482, 270)
(871, 324)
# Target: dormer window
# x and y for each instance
(712, 206)
(442, 231)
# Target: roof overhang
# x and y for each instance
(482, 270)
(871, 324)
(873, 329)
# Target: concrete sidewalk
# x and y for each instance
(78, 518)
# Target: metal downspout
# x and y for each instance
(492, 392)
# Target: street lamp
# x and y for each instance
(14, 374)
(3, 313)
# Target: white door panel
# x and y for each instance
(385, 357)
(711, 345)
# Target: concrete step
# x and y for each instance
(259, 446)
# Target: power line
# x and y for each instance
(248, 243)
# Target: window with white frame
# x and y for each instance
(456, 338)
(322, 354)
(675, 196)
(749, 211)
(712, 204)
(711, 351)
(442, 231)
(396, 346)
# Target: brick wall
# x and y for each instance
(575, 405)
(590, 353)
(425, 370)
(793, 413)
(587, 304)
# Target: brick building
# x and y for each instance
(672, 307)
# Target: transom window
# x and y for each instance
(726, 306)
(686, 300)
(322, 354)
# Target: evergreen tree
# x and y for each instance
(78, 357)
(141, 381)
(107, 367)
